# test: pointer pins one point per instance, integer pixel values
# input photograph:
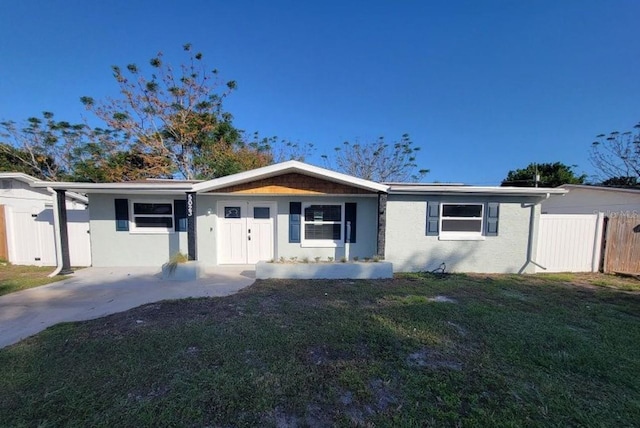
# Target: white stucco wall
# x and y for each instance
(366, 220)
(112, 248)
(409, 249)
(592, 201)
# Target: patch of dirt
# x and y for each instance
(383, 394)
(157, 391)
(441, 299)
(252, 359)
(323, 355)
(512, 294)
(192, 350)
(433, 360)
(164, 315)
(383, 397)
(458, 328)
(314, 417)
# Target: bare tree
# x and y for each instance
(283, 150)
(175, 115)
(616, 156)
(378, 160)
(44, 145)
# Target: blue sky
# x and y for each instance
(481, 86)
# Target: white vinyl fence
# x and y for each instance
(31, 237)
(569, 242)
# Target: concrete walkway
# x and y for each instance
(96, 292)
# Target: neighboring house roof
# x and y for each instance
(585, 199)
(601, 188)
(28, 179)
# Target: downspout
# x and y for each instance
(56, 229)
(532, 234)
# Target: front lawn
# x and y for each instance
(418, 350)
(16, 278)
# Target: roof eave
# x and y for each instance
(31, 181)
(114, 187)
(471, 191)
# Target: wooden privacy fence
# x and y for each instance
(622, 250)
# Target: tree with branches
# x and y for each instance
(616, 157)
(58, 150)
(12, 160)
(378, 160)
(43, 146)
(177, 114)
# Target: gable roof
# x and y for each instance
(288, 168)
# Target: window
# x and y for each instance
(180, 215)
(261, 212)
(322, 225)
(152, 217)
(232, 212)
(461, 219)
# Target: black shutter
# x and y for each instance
(350, 214)
(295, 210)
(493, 214)
(122, 215)
(180, 215)
(433, 218)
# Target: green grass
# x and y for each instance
(419, 350)
(16, 278)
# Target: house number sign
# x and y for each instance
(189, 205)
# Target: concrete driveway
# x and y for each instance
(96, 292)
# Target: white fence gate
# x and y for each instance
(79, 238)
(569, 242)
(32, 237)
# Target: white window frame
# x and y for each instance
(321, 243)
(133, 228)
(461, 235)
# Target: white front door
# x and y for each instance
(245, 231)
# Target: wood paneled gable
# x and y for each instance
(292, 184)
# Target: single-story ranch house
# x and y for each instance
(293, 209)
